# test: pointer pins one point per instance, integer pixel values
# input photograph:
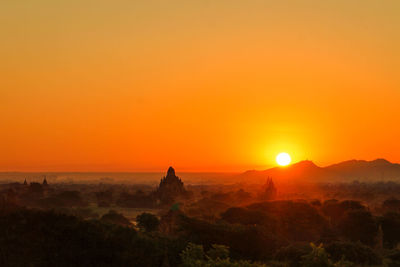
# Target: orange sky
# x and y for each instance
(200, 85)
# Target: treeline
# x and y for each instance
(272, 233)
(217, 228)
(46, 238)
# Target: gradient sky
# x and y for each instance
(200, 85)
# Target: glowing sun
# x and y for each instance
(283, 159)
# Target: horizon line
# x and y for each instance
(186, 171)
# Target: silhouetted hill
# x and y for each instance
(304, 170)
(379, 169)
(307, 171)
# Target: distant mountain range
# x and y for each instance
(347, 171)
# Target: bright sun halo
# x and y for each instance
(283, 159)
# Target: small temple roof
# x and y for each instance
(171, 172)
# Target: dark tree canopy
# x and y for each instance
(359, 225)
(147, 222)
(116, 218)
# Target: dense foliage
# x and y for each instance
(85, 225)
(36, 238)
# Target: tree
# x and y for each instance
(246, 217)
(296, 220)
(236, 237)
(218, 252)
(116, 218)
(318, 257)
(193, 255)
(391, 229)
(359, 225)
(292, 254)
(336, 210)
(218, 256)
(391, 204)
(353, 251)
(71, 198)
(44, 238)
(147, 222)
(104, 198)
(138, 200)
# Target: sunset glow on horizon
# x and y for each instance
(283, 159)
(199, 85)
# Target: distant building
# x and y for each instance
(45, 182)
(170, 188)
(269, 190)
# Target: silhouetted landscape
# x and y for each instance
(200, 133)
(352, 170)
(347, 214)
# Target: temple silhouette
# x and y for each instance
(171, 187)
(269, 190)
